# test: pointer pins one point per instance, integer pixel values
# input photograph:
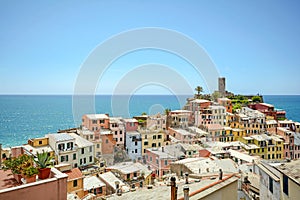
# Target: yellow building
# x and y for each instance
(75, 182)
(39, 145)
(266, 147)
(152, 139)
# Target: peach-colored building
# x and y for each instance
(183, 135)
(95, 122)
(93, 185)
(181, 118)
(75, 182)
(55, 187)
(226, 103)
(108, 142)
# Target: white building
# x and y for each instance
(64, 147)
(85, 150)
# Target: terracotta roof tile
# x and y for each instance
(74, 174)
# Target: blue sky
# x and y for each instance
(254, 44)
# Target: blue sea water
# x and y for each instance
(29, 116)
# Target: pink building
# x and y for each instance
(291, 143)
(183, 135)
(54, 187)
(131, 124)
(159, 161)
(95, 122)
(117, 128)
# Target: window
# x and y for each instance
(135, 151)
(145, 143)
(166, 162)
(98, 145)
(100, 190)
(121, 139)
(135, 143)
(74, 156)
(82, 151)
(285, 185)
(75, 183)
(116, 139)
(120, 132)
(270, 184)
(154, 137)
(91, 159)
(91, 148)
(159, 136)
(91, 137)
(40, 142)
(106, 141)
(94, 122)
(67, 158)
(153, 144)
(151, 159)
(145, 136)
(101, 121)
(62, 158)
(116, 132)
(84, 160)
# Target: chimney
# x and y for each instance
(186, 190)
(186, 178)
(173, 188)
(220, 174)
(118, 190)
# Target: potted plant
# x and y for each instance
(44, 162)
(15, 165)
(30, 174)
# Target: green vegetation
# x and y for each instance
(144, 113)
(256, 99)
(236, 106)
(198, 89)
(215, 95)
(43, 160)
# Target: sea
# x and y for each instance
(30, 116)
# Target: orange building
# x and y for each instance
(95, 122)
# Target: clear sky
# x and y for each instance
(254, 44)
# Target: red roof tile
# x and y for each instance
(74, 174)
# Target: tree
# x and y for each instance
(236, 106)
(167, 111)
(256, 99)
(199, 89)
(143, 113)
(215, 95)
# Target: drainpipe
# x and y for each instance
(186, 190)
(173, 188)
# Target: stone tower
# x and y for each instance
(222, 89)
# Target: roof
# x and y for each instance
(80, 141)
(180, 111)
(132, 120)
(163, 192)
(97, 116)
(200, 101)
(111, 179)
(35, 150)
(60, 137)
(162, 155)
(92, 182)
(105, 131)
(291, 169)
(241, 156)
(74, 173)
(206, 165)
(182, 131)
(130, 167)
(133, 133)
(266, 104)
(272, 121)
(7, 180)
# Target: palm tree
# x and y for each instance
(198, 89)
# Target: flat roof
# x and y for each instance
(92, 182)
(97, 116)
(111, 179)
(60, 137)
(130, 167)
(291, 169)
(80, 141)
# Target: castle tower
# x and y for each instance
(222, 89)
